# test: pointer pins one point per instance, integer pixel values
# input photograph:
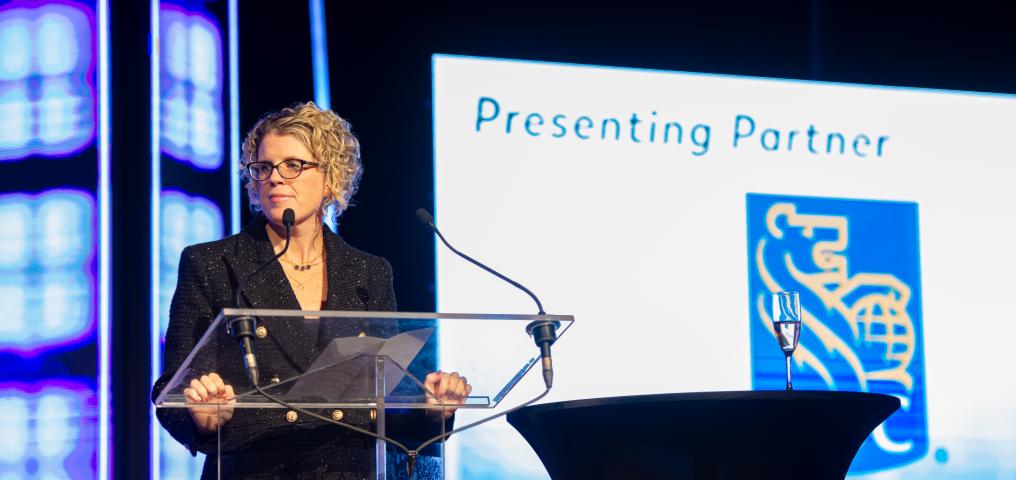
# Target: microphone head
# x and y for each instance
(288, 218)
(425, 217)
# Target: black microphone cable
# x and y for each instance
(544, 332)
(411, 454)
(540, 327)
(242, 329)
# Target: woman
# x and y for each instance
(305, 159)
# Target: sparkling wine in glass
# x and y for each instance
(787, 324)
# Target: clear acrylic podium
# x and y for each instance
(362, 369)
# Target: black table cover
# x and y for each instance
(807, 435)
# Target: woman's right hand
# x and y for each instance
(210, 402)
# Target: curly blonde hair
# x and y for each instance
(328, 136)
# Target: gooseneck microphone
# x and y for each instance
(428, 220)
(242, 328)
(544, 332)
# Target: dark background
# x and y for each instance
(379, 58)
(380, 75)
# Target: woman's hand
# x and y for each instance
(446, 389)
(218, 400)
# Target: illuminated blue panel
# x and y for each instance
(46, 88)
(49, 430)
(185, 220)
(191, 80)
(322, 83)
(105, 252)
(47, 282)
(319, 54)
(176, 461)
(234, 116)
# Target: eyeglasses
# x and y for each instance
(287, 169)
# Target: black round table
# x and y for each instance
(711, 435)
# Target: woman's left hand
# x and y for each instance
(447, 389)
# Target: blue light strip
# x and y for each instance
(156, 187)
(105, 276)
(234, 116)
(322, 84)
(319, 54)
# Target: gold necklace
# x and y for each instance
(308, 265)
(301, 285)
(305, 266)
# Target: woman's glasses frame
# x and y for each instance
(262, 171)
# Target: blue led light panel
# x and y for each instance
(48, 405)
(49, 282)
(49, 429)
(189, 169)
(186, 220)
(47, 91)
(192, 77)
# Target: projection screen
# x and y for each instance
(662, 208)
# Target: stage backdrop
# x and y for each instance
(661, 208)
(54, 309)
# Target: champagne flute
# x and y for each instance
(787, 324)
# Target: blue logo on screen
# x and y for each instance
(857, 268)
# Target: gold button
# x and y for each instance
(275, 380)
(261, 331)
(373, 414)
(361, 334)
(337, 415)
(291, 416)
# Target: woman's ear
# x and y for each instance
(328, 195)
(326, 198)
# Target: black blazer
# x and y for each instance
(263, 442)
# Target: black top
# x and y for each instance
(261, 443)
(780, 435)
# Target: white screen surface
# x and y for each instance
(645, 239)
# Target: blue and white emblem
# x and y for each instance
(856, 265)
